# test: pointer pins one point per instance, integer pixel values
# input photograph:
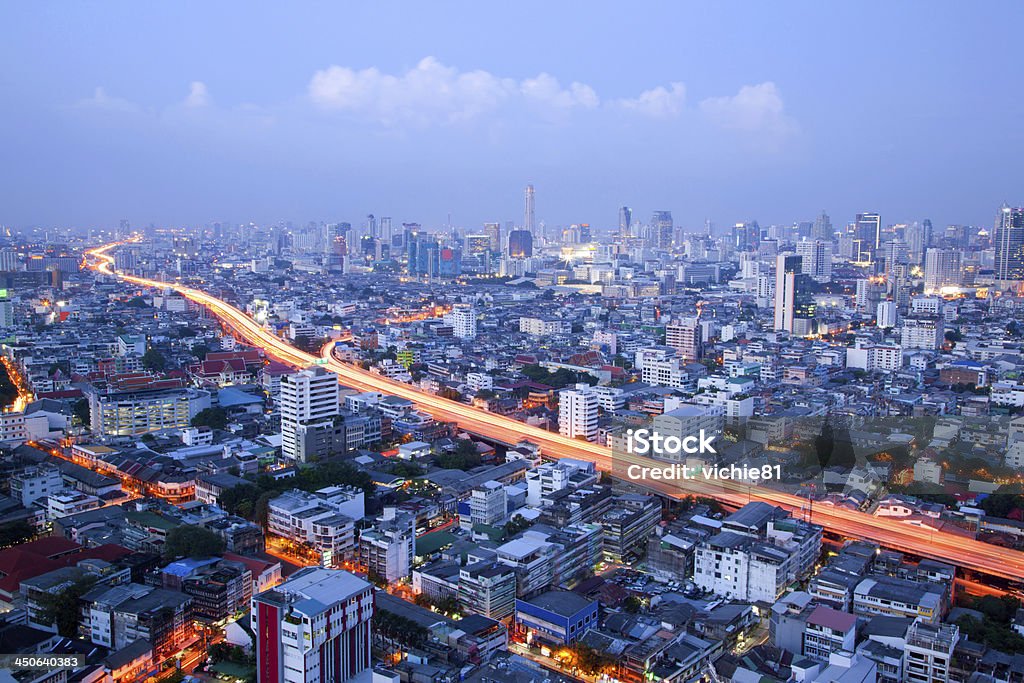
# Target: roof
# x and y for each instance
(832, 619)
(562, 603)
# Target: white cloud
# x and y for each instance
(755, 108)
(101, 100)
(659, 102)
(198, 95)
(432, 92)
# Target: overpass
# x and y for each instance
(943, 546)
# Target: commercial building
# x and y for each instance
(556, 617)
(313, 628)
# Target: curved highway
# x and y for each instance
(938, 545)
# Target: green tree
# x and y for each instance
(13, 533)
(63, 607)
(82, 411)
(154, 360)
(192, 541)
(214, 418)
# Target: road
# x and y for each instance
(968, 553)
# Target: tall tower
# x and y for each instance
(663, 229)
(529, 217)
(869, 231)
(787, 267)
(1009, 245)
(941, 269)
(625, 221)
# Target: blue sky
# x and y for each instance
(191, 112)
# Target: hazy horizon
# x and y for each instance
(193, 113)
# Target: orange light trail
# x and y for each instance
(934, 544)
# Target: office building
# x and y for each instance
(488, 589)
(313, 628)
(816, 259)
(794, 304)
(661, 222)
(1008, 242)
(556, 617)
(488, 504)
(325, 520)
(520, 244)
(138, 405)
(625, 221)
(941, 269)
(868, 235)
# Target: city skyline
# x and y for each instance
(190, 132)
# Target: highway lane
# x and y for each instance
(943, 546)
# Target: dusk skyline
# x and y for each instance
(730, 113)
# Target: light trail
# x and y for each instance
(963, 552)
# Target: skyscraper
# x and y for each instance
(663, 229)
(941, 269)
(822, 229)
(816, 257)
(1008, 241)
(520, 244)
(384, 229)
(794, 303)
(529, 217)
(625, 221)
(493, 232)
(868, 229)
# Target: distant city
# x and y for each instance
(383, 451)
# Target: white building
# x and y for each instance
(389, 547)
(488, 504)
(539, 327)
(886, 314)
(928, 655)
(36, 483)
(816, 259)
(577, 413)
(313, 628)
(325, 520)
(463, 321)
(941, 269)
(921, 331)
(308, 397)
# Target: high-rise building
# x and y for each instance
(371, 226)
(463, 321)
(529, 216)
(817, 259)
(1008, 241)
(868, 229)
(313, 628)
(493, 232)
(787, 268)
(822, 229)
(577, 412)
(625, 221)
(685, 337)
(662, 224)
(941, 269)
(520, 244)
(885, 316)
(309, 405)
(746, 236)
(385, 230)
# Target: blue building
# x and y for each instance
(556, 617)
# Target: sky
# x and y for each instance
(187, 113)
